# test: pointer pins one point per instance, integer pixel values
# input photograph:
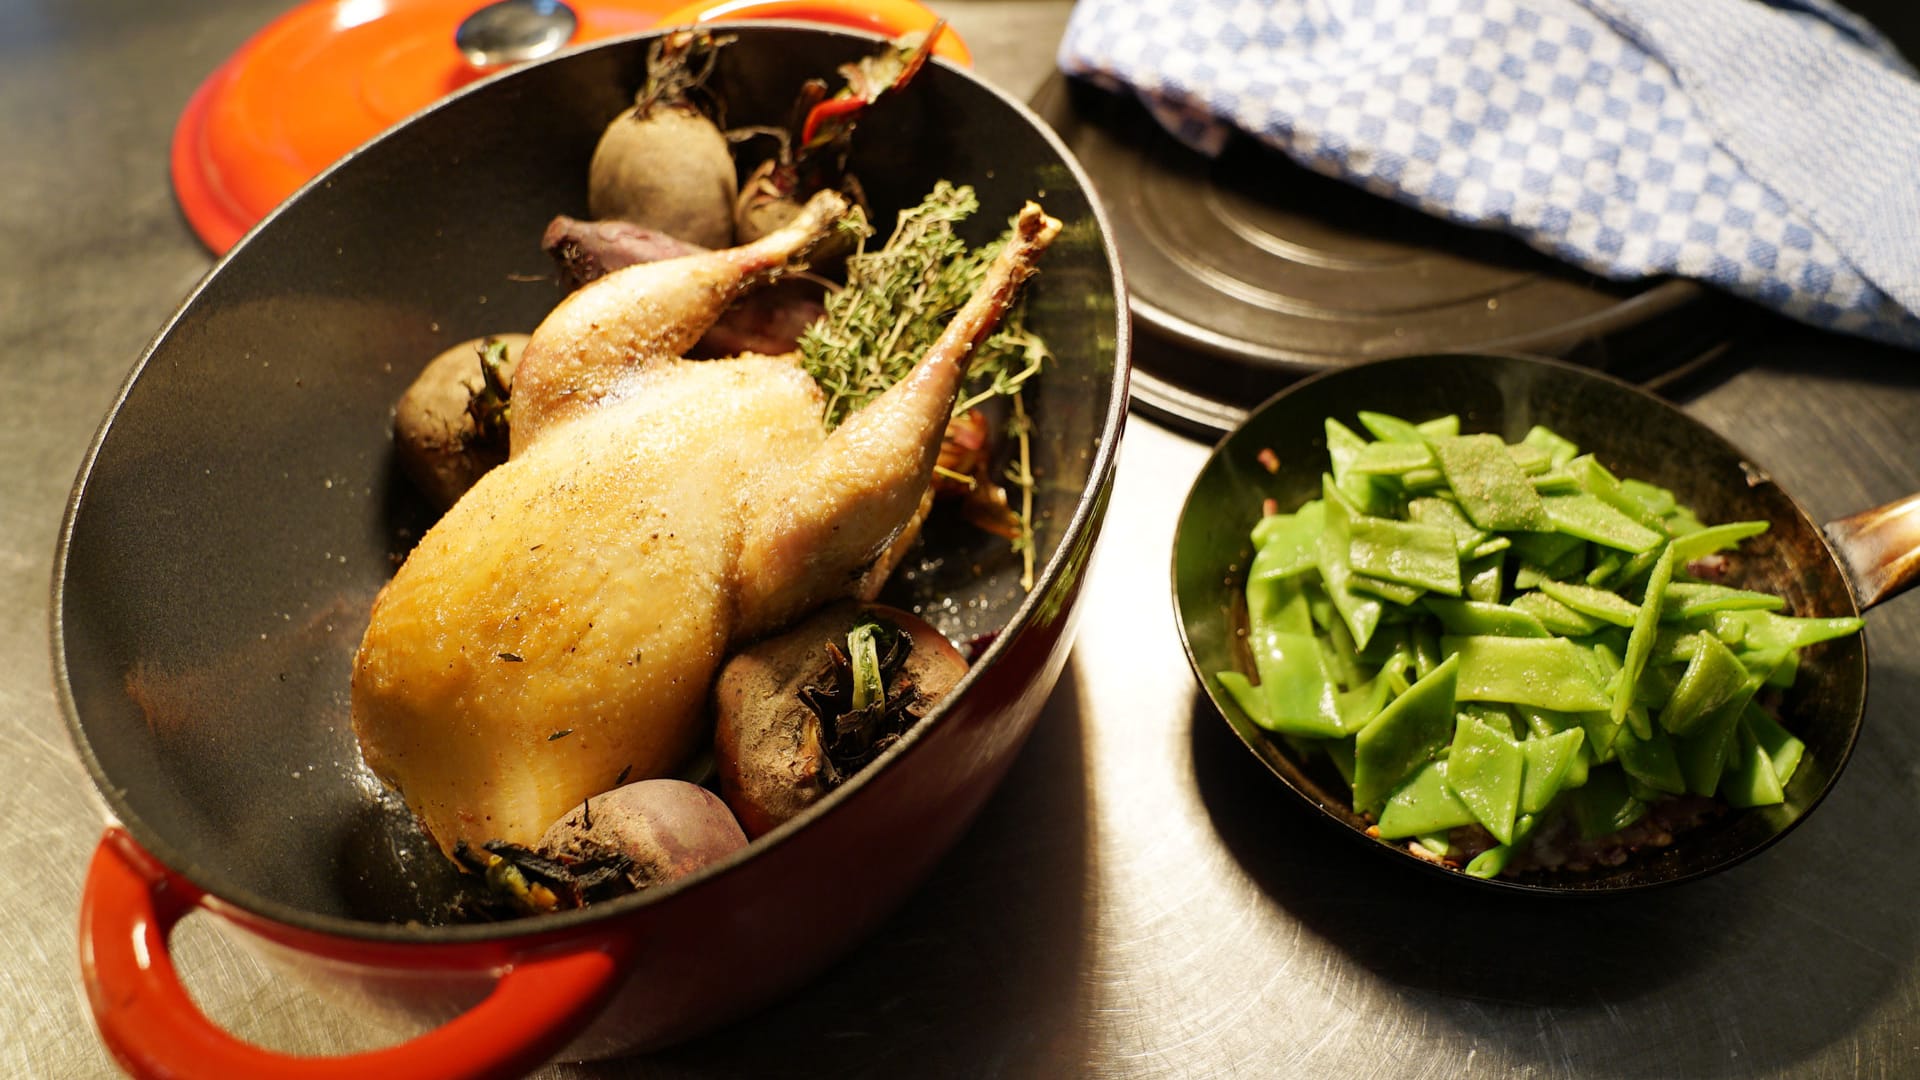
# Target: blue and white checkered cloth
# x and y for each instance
(1769, 147)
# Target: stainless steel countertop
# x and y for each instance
(1139, 899)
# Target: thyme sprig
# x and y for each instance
(1020, 475)
(898, 299)
(895, 303)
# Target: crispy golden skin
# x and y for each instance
(560, 627)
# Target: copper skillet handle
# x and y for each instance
(153, 1028)
(1880, 548)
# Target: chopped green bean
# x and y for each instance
(1492, 490)
(1750, 779)
(1287, 544)
(1713, 676)
(1429, 510)
(1532, 460)
(1391, 429)
(1655, 500)
(1392, 591)
(1406, 552)
(1484, 768)
(1491, 862)
(1595, 480)
(1391, 458)
(1714, 538)
(1544, 548)
(1246, 695)
(1464, 617)
(1424, 804)
(1554, 615)
(1557, 482)
(1548, 672)
(1559, 450)
(1489, 548)
(1596, 603)
(1646, 626)
(1362, 615)
(1549, 762)
(1782, 748)
(1703, 753)
(1651, 760)
(1766, 630)
(1588, 518)
(1360, 490)
(1687, 599)
(1407, 734)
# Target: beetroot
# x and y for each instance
(788, 728)
(653, 830)
(444, 434)
(662, 162)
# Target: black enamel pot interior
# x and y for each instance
(1631, 432)
(241, 506)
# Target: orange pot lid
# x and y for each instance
(330, 74)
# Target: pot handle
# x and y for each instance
(152, 1027)
(1880, 548)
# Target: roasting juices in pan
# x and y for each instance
(538, 680)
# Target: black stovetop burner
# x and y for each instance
(1248, 271)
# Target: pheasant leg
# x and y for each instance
(645, 315)
(812, 535)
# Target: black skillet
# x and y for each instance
(1852, 564)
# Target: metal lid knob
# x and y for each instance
(514, 31)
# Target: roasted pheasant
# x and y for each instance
(558, 630)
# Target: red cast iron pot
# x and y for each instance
(239, 508)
